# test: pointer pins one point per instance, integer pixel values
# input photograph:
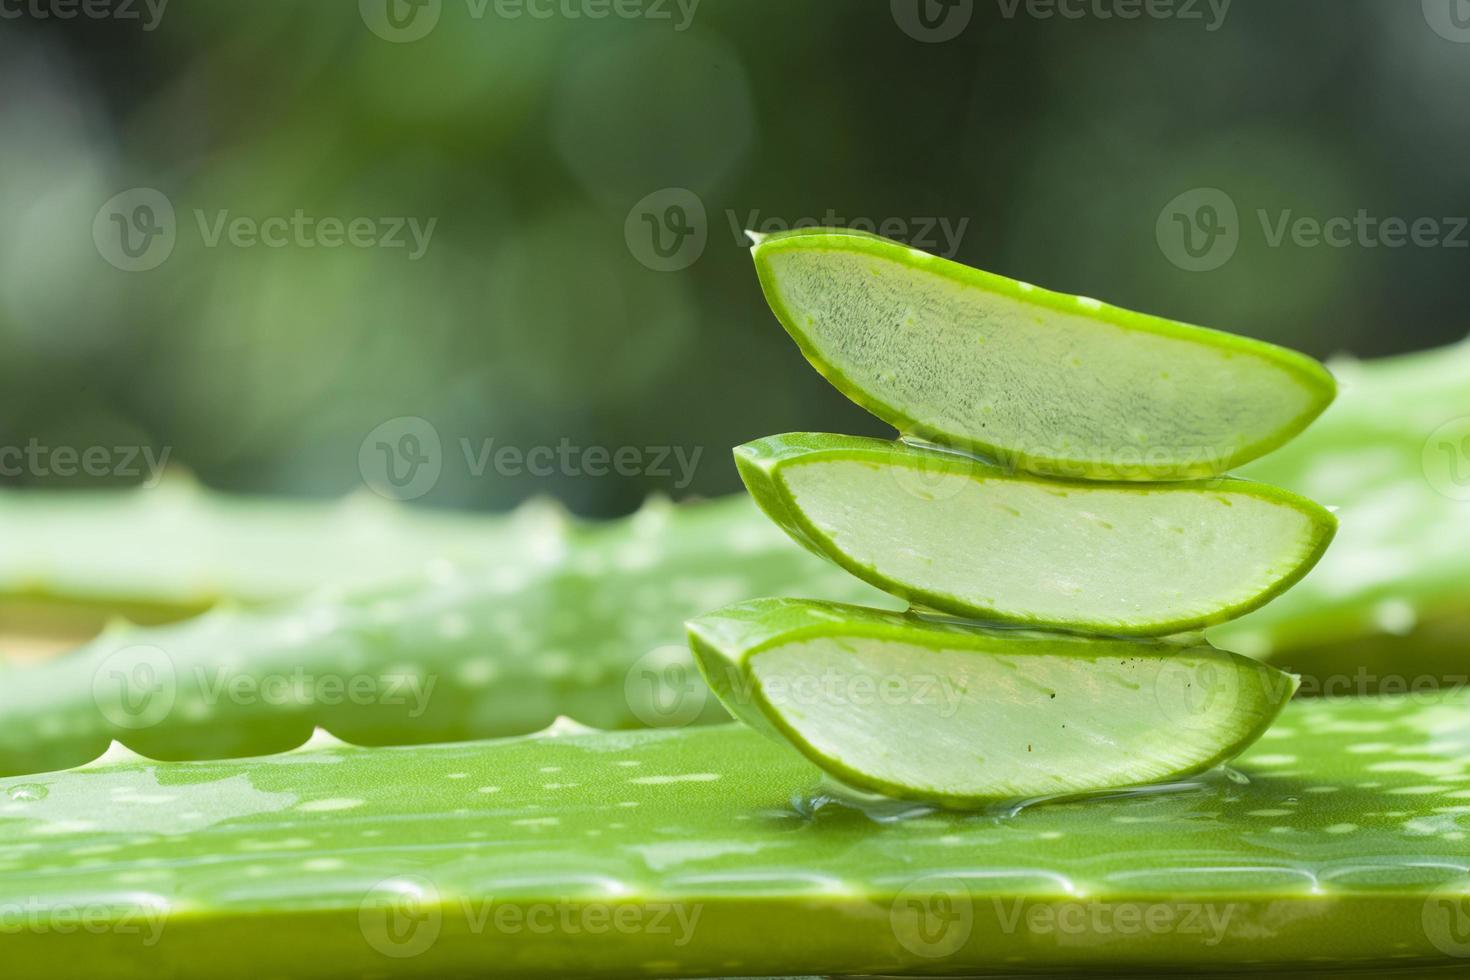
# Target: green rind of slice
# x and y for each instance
(961, 536)
(1056, 384)
(960, 717)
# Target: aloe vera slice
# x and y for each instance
(965, 537)
(958, 716)
(1055, 384)
(1339, 842)
(580, 621)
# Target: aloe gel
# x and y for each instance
(958, 716)
(1051, 383)
(968, 538)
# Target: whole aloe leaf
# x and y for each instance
(1338, 842)
(1388, 607)
(585, 622)
(164, 552)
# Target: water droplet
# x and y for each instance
(27, 793)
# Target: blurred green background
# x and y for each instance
(550, 141)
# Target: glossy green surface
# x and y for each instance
(1055, 384)
(585, 622)
(169, 550)
(953, 533)
(1339, 840)
(962, 717)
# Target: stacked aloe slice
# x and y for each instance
(1055, 514)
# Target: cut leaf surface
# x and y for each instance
(958, 716)
(1056, 384)
(663, 853)
(965, 537)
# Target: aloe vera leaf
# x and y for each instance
(168, 551)
(1055, 384)
(960, 716)
(1339, 842)
(962, 536)
(585, 622)
(1389, 605)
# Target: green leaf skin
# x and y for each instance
(1388, 608)
(584, 622)
(956, 534)
(1054, 384)
(960, 717)
(155, 554)
(1343, 846)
